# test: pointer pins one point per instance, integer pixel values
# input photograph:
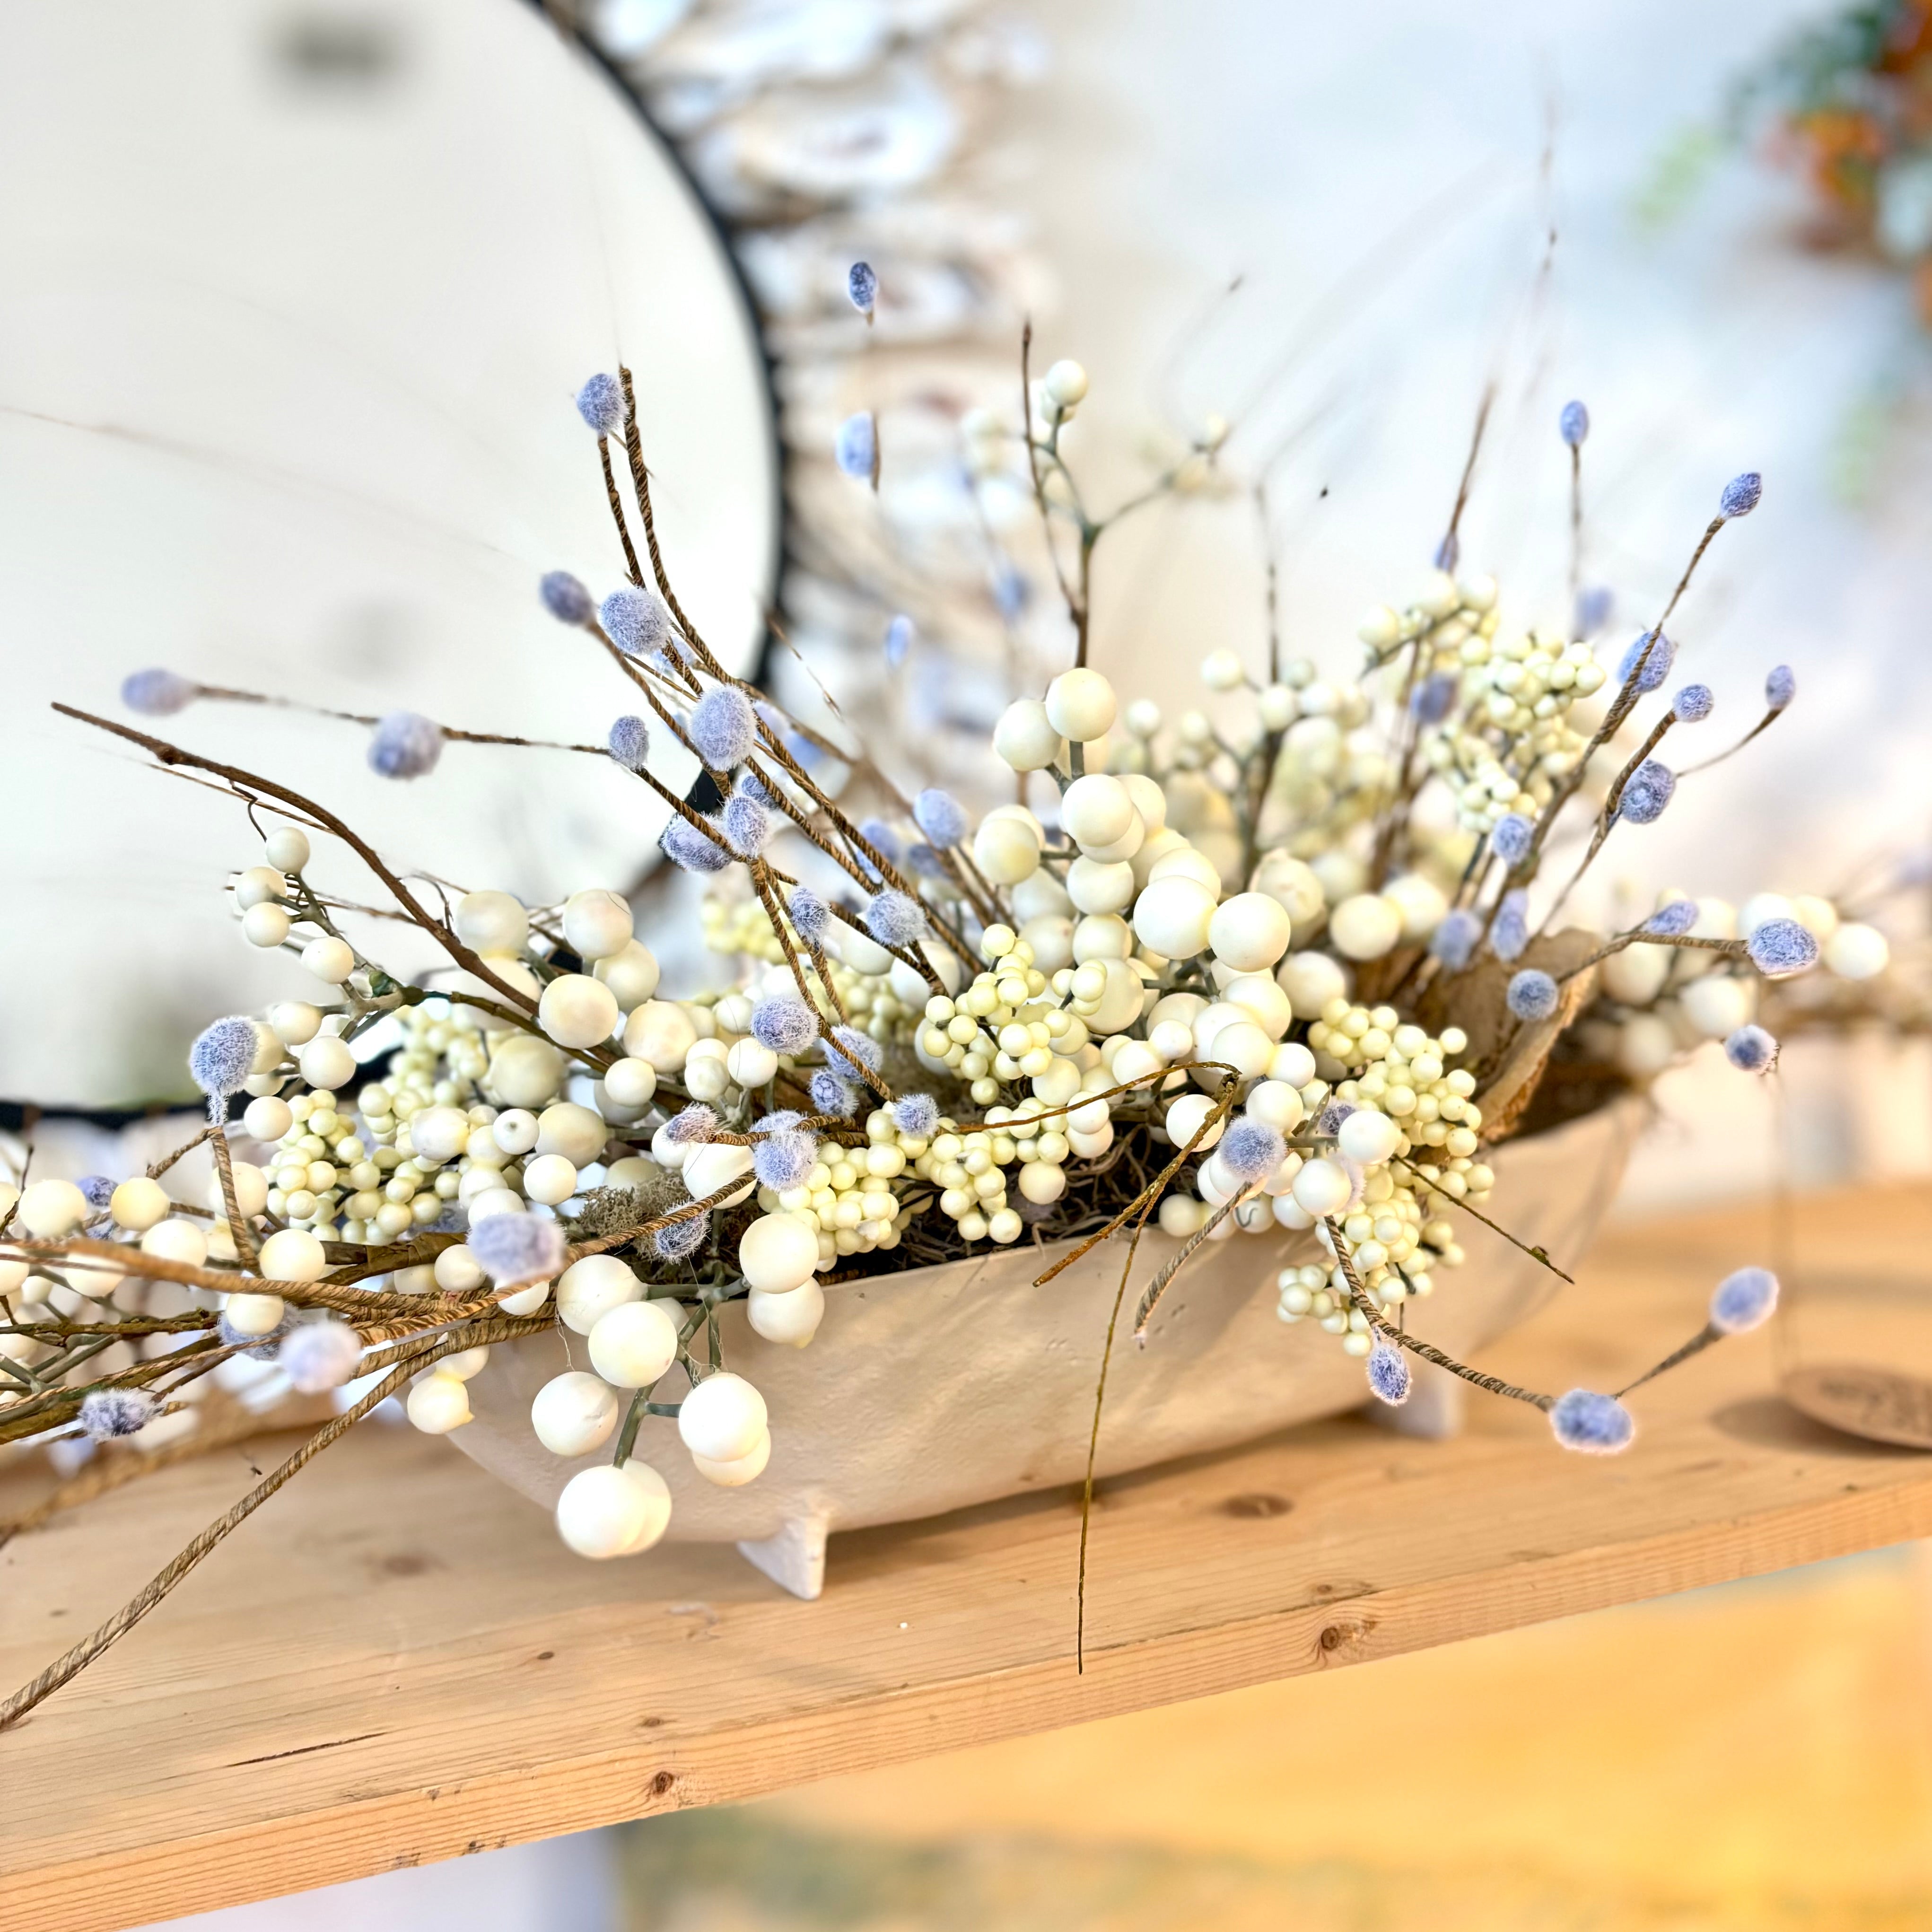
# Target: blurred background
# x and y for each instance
(299, 293)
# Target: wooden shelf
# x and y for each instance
(394, 1662)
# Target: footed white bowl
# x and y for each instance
(929, 1391)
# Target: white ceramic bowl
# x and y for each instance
(926, 1391)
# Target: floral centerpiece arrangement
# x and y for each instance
(1296, 969)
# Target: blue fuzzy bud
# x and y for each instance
(1743, 1301)
(1780, 687)
(895, 918)
(1432, 700)
(941, 817)
(862, 284)
(691, 1125)
(515, 1249)
(1510, 934)
(678, 1239)
(405, 744)
(883, 839)
(107, 1414)
(1741, 494)
(747, 825)
(1656, 666)
(223, 1056)
(637, 621)
(1780, 947)
(832, 1095)
(1510, 837)
(629, 743)
(899, 635)
(1574, 424)
(782, 1156)
(1693, 704)
(685, 846)
(1011, 593)
(1597, 1425)
(157, 693)
(1455, 939)
(600, 404)
(1448, 552)
(1388, 1369)
(852, 1050)
(784, 1023)
(723, 728)
(1651, 787)
(1251, 1149)
(1751, 1050)
(1595, 604)
(1532, 995)
(1670, 921)
(809, 915)
(565, 599)
(916, 1114)
(856, 449)
(98, 1190)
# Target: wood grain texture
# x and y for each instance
(396, 1663)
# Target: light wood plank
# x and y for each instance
(395, 1662)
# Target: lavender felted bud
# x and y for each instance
(317, 1356)
(940, 816)
(1251, 1149)
(883, 840)
(1651, 788)
(98, 1190)
(895, 918)
(723, 728)
(1780, 687)
(1656, 666)
(684, 845)
(637, 621)
(851, 1048)
(1011, 592)
(1510, 837)
(565, 599)
(1455, 939)
(899, 635)
(629, 741)
(856, 448)
(1751, 1050)
(916, 1114)
(862, 284)
(691, 1125)
(1509, 933)
(106, 1413)
(1597, 1425)
(1328, 1121)
(1574, 424)
(1693, 704)
(808, 913)
(747, 825)
(1668, 922)
(256, 1347)
(1595, 603)
(405, 744)
(223, 1056)
(1780, 947)
(784, 1023)
(1388, 1366)
(1448, 552)
(678, 1239)
(1532, 995)
(1743, 1301)
(600, 404)
(1432, 700)
(1741, 495)
(782, 1160)
(925, 859)
(514, 1249)
(157, 693)
(832, 1095)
